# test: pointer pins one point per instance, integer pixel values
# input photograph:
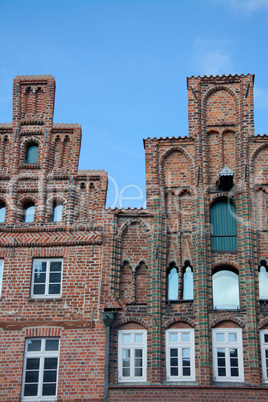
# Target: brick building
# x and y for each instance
(167, 303)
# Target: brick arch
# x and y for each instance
(23, 199)
(129, 320)
(263, 323)
(221, 197)
(169, 152)
(185, 191)
(127, 261)
(215, 89)
(49, 205)
(225, 263)
(253, 159)
(131, 222)
(27, 142)
(182, 319)
(31, 332)
(235, 320)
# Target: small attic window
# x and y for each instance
(226, 179)
(32, 153)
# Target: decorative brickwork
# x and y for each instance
(91, 273)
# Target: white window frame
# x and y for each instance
(179, 345)
(264, 359)
(228, 345)
(41, 354)
(1, 274)
(132, 346)
(47, 282)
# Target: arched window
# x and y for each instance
(28, 212)
(172, 283)
(57, 212)
(188, 282)
(263, 281)
(223, 226)
(225, 282)
(32, 153)
(2, 212)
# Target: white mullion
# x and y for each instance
(47, 278)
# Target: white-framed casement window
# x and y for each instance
(227, 354)
(264, 354)
(40, 372)
(1, 275)
(46, 278)
(132, 355)
(180, 352)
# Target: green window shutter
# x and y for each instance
(223, 226)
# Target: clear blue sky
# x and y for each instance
(121, 68)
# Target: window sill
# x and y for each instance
(45, 299)
(225, 251)
(30, 166)
(180, 301)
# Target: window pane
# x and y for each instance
(55, 266)
(54, 289)
(31, 376)
(52, 344)
(174, 371)
(263, 283)
(221, 362)
(126, 338)
(138, 371)
(51, 363)
(2, 213)
(126, 372)
(49, 389)
(32, 364)
(173, 337)
(232, 337)
(225, 290)
(223, 226)
(32, 154)
(138, 338)
(40, 278)
(188, 284)
(55, 278)
(34, 345)
(39, 289)
(29, 213)
(138, 352)
(185, 337)
(50, 376)
(266, 338)
(173, 284)
(30, 389)
(174, 352)
(57, 213)
(220, 337)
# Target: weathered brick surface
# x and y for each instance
(117, 260)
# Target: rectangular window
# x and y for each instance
(180, 362)
(227, 354)
(1, 275)
(46, 278)
(264, 354)
(132, 355)
(40, 372)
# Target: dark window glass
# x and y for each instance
(223, 226)
(32, 154)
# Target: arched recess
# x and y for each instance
(227, 322)
(231, 97)
(39, 101)
(172, 211)
(66, 152)
(260, 206)
(182, 321)
(130, 323)
(225, 286)
(24, 202)
(126, 283)
(29, 101)
(220, 108)
(223, 223)
(141, 276)
(176, 168)
(52, 202)
(6, 152)
(214, 156)
(25, 145)
(259, 163)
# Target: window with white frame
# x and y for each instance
(1, 275)
(264, 354)
(46, 278)
(227, 354)
(40, 373)
(57, 212)
(180, 362)
(132, 355)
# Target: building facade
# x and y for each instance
(165, 303)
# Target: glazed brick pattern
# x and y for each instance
(182, 182)
(117, 260)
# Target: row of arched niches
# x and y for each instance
(31, 151)
(33, 102)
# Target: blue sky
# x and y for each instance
(121, 68)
